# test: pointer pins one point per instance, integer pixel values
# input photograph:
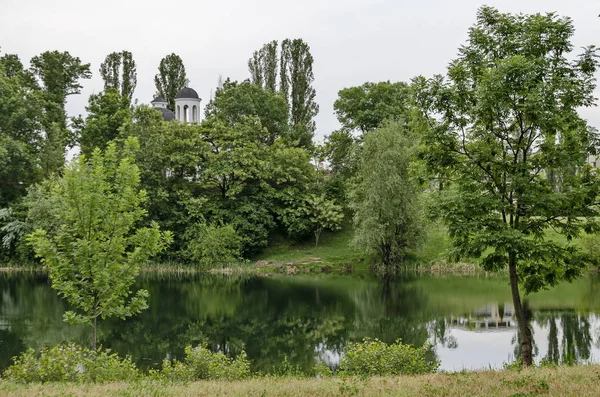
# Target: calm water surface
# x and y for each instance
(469, 321)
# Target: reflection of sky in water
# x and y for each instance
(497, 346)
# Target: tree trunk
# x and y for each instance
(524, 331)
(317, 235)
(94, 333)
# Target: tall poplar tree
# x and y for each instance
(59, 75)
(119, 71)
(171, 78)
(264, 66)
(295, 84)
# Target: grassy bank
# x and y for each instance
(561, 381)
(334, 254)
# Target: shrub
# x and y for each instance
(200, 364)
(70, 363)
(374, 357)
(213, 246)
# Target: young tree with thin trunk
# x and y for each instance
(96, 253)
(502, 121)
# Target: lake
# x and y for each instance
(468, 320)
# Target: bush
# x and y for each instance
(374, 357)
(213, 246)
(70, 363)
(200, 364)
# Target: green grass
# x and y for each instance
(334, 250)
(335, 253)
(580, 381)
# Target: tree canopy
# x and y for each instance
(503, 126)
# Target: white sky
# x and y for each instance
(352, 41)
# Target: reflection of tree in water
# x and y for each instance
(31, 316)
(516, 340)
(270, 319)
(575, 344)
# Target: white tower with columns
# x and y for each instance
(187, 106)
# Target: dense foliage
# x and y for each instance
(73, 363)
(202, 364)
(70, 363)
(376, 358)
(500, 145)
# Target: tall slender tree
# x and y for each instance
(119, 71)
(264, 65)
(59, 75)
(171, 78)
(296, 85)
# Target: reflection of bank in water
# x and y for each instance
(491, 317)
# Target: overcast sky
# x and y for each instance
(352, 41)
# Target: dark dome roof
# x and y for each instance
(158, 99)
(167, 114)
(187, 92)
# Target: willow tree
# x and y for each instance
(95, 254)
(387, 202)
(499, 124)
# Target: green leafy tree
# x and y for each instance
(323, 214)
(341, 150)
(264, 66)
(171, 78)
(502, 120)
(59, 75)
(296, 84)
(95, 254)
(119, 72)
(387, 203)
(107, 113)
(366, 107)
(234, 102)
(20, 132)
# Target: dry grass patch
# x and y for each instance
(578, 381)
